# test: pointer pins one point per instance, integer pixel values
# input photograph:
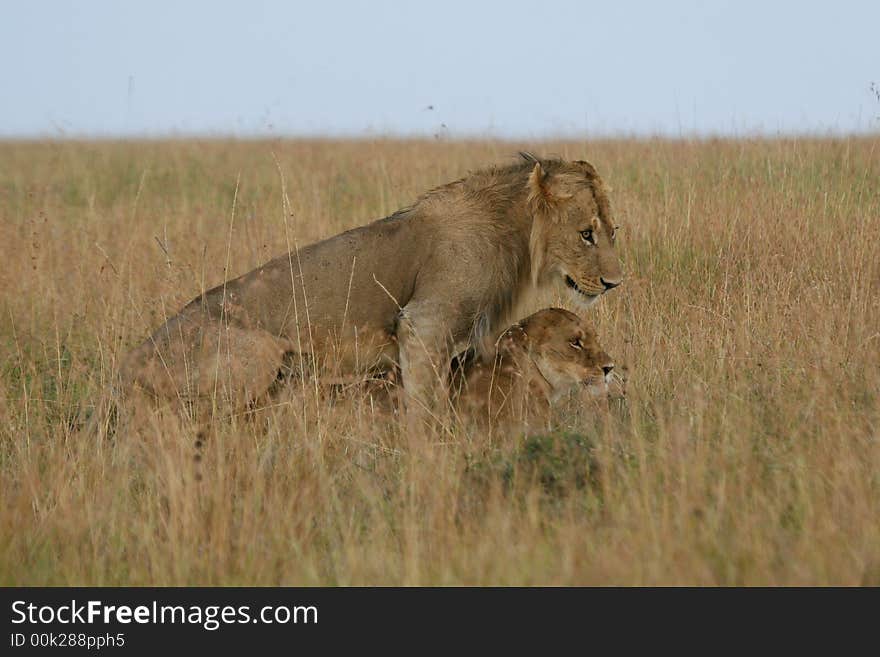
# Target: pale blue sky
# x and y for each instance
(505, 68)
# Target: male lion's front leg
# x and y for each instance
(425, 342)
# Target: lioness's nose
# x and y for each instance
(608, 369)
(611, 284)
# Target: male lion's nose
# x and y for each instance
(607, 369)
(611, 284)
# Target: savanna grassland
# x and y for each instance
(747, 452)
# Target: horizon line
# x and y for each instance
(439, 136)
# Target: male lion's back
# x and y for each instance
(335, 302)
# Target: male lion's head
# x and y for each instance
(563, 347)
(573, 233)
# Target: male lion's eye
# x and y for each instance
(587, 236)
(576, 343)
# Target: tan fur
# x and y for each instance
(537, 360)
(412, 286)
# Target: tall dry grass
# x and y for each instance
(748, 451)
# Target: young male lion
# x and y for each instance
(536, 361)
(436, 275)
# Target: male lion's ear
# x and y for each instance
(529, 157)
(589, 168)
(546, 191)
(539, 196)
(537, 177)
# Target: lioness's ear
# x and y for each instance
(529, 157)
(513, 339)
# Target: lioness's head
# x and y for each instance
(563, 347)
(573, 232)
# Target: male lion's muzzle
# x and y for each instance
(585, 293)
(610, 284)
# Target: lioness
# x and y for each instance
(431, 276)
(537, 360)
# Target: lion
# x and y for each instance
(537, 360)
(411, 288)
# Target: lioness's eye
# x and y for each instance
(576, 343)
(587, 236)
